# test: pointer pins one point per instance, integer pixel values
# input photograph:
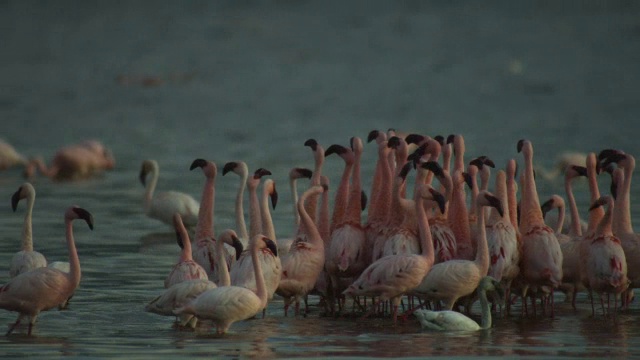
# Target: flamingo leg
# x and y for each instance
(14, 325)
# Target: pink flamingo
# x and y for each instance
(541, 254)
(380, 198)
(242, 272)
(225, 305)
(450, 280)
(74, 162)
(26, 259)
(204, 251)
(443, 238)
(390, 277)
(44, 288)
(240, 168)
(161, 206)
(304, 262)
(346, 255)
(186, 268)
(502, 240)
(284, 244)
(604, 266)
(182, 293)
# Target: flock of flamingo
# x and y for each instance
(428, 246)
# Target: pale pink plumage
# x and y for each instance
(26, 259)
(186, 268)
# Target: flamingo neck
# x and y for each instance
(204, 228)
(512, 198)
(74, 261)
(426, 240)
(307, 225)
(239, 208)
(595, 215)
(373, 214)
(150, 188)
(604, 227)
(312, 202)
(342, 197)
(255, 222)
(267, 222)
(576, 229)
(486, 311)
(501, 193)
(27, 229)
(531, 213)
(482, 251)
(293, 186)
(261, 288)
(224, 279)
(458, 219)
(354, 207)
(324, 224)
(186, 254)
(623, 200)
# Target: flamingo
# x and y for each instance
(26, 259)
(443, 238)
(180, 294)
(44, 288)
(457, 213)
(390, 277)
(541, 254)
(380, 198)
(240, 168)
(448, 320)
(304, 262)
(163, 205)
(177, 296)
(74, 162)
(284, 244)
(346, 257)
(242, 272)
(450, 280)
(621, 222)
(556, 202)
(502, 240)
(318, 155)
(604, 266)
(205, 249)
(9, 157)
(225, 305)
(186, 268)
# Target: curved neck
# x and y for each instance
(604, 227)
(27, 234)
(239, 210)
(74, 261)
(204, 228)
(255, 222)
(306, 222)
(267, 222)
(576, 229)
(501, 193)
(261, 288)
(151, 187)
(486, 311)
(426, 241)
(312, 202)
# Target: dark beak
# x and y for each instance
(198, 163)
(85, 215)
(229, 167)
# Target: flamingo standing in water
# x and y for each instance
(240, 168)
(284, 244)
(226, 305)
(242, 272)
(346, 257)
(306, 259)
(541, 254)
(392, 276)
(450, 280)
(9, 157)
(186, 268)
(182, 293)
(26, 259)
(604, 266)
(161, 206)
(448, 320)
(44, 288)
(204, 251)
(74, 162)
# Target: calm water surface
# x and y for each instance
(252, 81)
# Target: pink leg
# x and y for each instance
(14, 325)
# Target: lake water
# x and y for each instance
(252, 80)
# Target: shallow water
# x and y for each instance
(252, 81)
